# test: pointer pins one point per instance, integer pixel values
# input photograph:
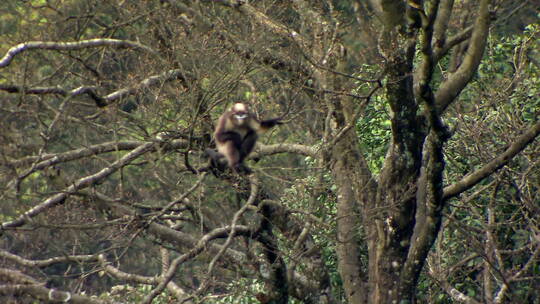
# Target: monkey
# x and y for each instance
(236, 134)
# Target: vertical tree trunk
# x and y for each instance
(348, 216)
(356, 188)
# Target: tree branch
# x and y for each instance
(442, 50)
(140, 279)
(202, 244)
(147, 82)
(441, 22)
(449, 289)
(474, 178)
(262, 19)
(101, 101)
(233, 229)
(15, 276)
(285, 148)
(51, 159)
(46, 262)
(61, 46)
(26, 285)
(452, 87)
(90, 91)
(79, 184)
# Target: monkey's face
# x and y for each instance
(240, 118)
(240, 114)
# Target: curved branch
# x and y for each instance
(28, 286)
(474, 178)
(50, 159)
(285, 148)
(452, 87)
(101, 101)
(90, 91)
(202, 244)
(262, 19)
(174, 237)
(147, 82)
(61, 46)
(46, 262)
(234, 223)
(182, 239)
(140, 279)
(15, 276)
(35, 90)
(79, 184)
(453, 292)
(442, 50)
(441, 22)
(168, 276)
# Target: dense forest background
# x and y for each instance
(407, 169)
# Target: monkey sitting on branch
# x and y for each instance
(235, 135)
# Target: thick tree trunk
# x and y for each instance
(356, 189)
(392, 219)
(348, 218)
(401, 211)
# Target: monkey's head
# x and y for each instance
(240, 113)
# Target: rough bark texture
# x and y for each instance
(348, 218)
(405, 216)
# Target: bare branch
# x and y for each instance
(452, 87)
(51, 159)
(16, 276)
(148, 82)
(285, 148)
(167, 277)
(250, 202)
(198, 248)
(449, 289)
(140, 279)
(533, 260)
(46, 262)
(77, 45)
(441, 22)
(474, 178)
(101, 101)
(90, 91)
(450, 43)
(34, 90)
(178, 200)
(262, 19)
(29, 286)
(79, 184)
(174, 237)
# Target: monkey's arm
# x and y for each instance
(224, 131)
(265, 125)
(248, 143)
(222, 137)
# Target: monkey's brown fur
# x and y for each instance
(236, 134)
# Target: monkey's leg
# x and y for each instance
(213, 154)
(216, 160)
(248, 144)
(232, 154)
(245, 147)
